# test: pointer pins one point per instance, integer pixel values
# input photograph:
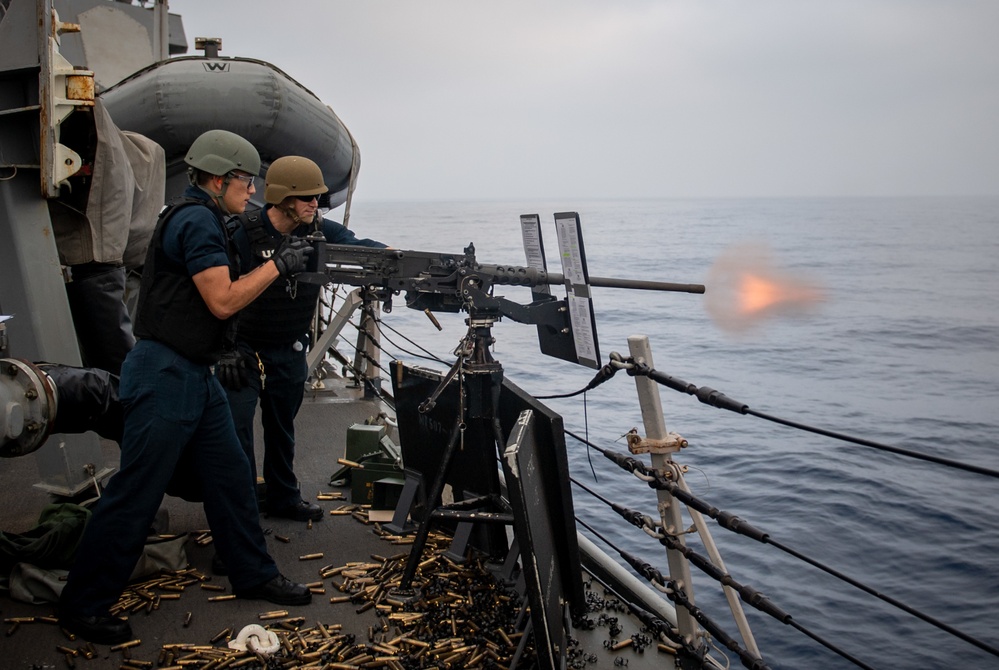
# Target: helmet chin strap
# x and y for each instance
(218, 198)
(295, 218)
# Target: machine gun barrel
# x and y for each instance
(641, 284)
(400, 270)
(521, 276)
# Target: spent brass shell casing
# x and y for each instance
(215, 599)
(282, 538)
(187, 619)
(309, 557)
(221, 634)
(276, 614)
(126, 645)
(330, 496)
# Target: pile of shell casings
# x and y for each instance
(462, 618)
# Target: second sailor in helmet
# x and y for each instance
(270, 364)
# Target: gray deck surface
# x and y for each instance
(321, 428)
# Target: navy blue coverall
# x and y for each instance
(173, 407)
(283, 357)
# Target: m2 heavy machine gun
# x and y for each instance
(474, 407)
(443, 282)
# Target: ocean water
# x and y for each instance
(903, 349)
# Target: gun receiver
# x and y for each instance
(438, 282)
(444, 282)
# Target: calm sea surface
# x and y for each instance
(904, 350)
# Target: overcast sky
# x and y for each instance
(642, 98)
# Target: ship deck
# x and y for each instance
(193, 619)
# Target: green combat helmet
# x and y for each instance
(219, 152)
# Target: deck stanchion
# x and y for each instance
(655, 429)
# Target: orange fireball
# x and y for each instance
(744, 288)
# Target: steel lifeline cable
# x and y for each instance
(748, 594)
(710, 396)
(733, 523)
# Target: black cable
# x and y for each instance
(876, 445)
(710, 396)
(586, 429)
(367, 382)
(748, 594)
(675, 594)
(603, 374)
(732, 522)
(429, 355)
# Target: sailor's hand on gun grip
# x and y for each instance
(292, 256)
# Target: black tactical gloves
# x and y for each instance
(293, 254)
(233, 370)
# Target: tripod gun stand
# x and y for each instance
(480, 378)
(436, 282)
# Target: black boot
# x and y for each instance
(280, 590)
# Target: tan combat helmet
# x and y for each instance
(292, 175)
